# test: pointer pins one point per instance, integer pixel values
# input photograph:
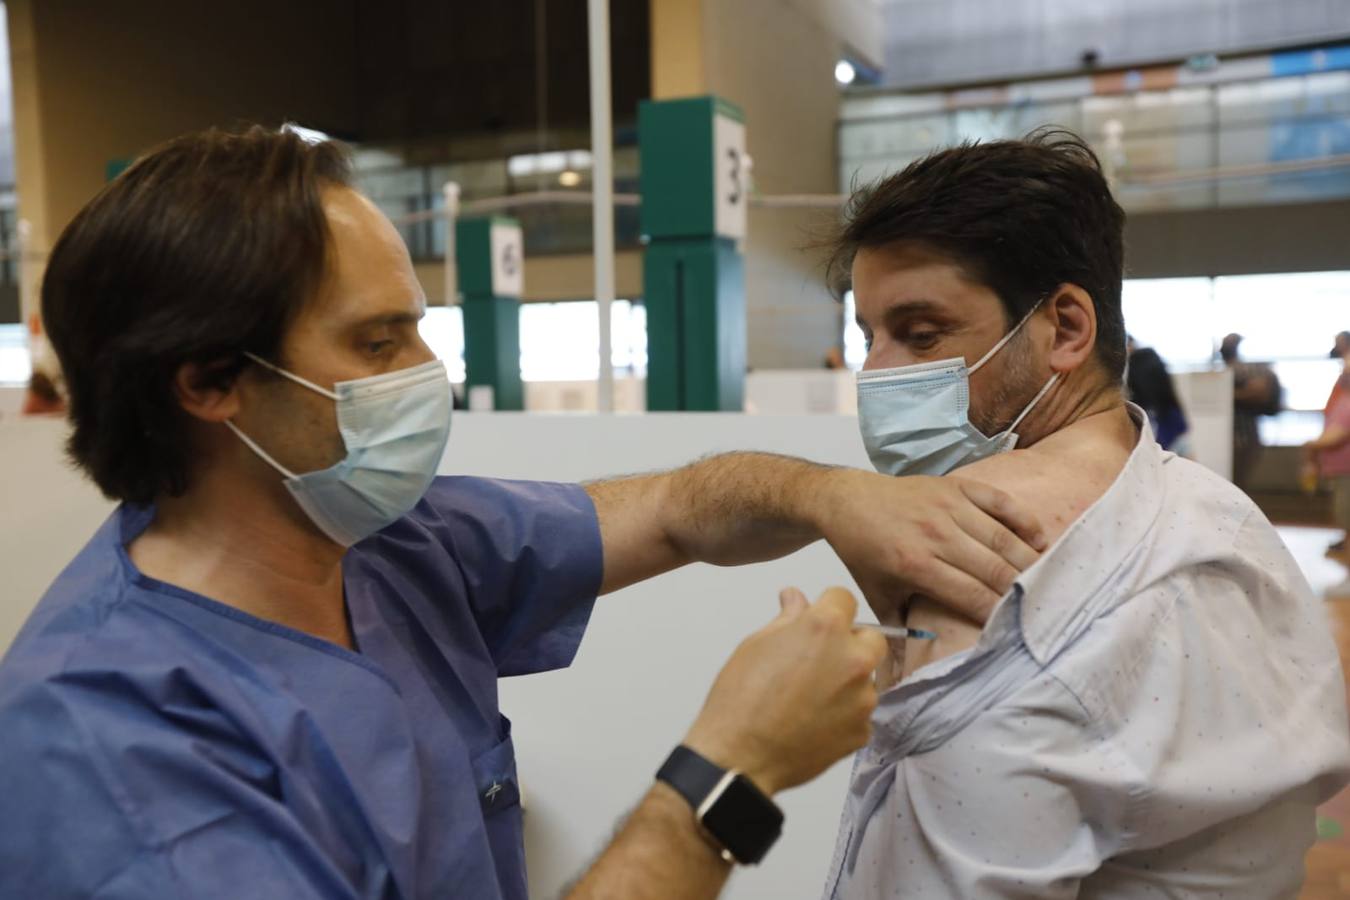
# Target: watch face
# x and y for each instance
(745, 821)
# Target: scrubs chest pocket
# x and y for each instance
(494, 773)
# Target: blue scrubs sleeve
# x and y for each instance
(532, 562)
(79, 756)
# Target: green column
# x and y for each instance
(693, 213)
(491, 278)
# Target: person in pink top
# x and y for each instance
(1329, 457)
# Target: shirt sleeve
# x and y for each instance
(70, 827)
(1339, 414)
(1023, 803)
(532, 561)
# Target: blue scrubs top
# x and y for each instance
(156, 743)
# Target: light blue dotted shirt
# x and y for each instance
(1155, 709)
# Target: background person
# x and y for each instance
(1150, 386)
(43, 397)
(1328, 457)
(1256, 393)
(1340, 350)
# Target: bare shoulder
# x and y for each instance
(1056, 488)
(1059, 480)
(1061, 477)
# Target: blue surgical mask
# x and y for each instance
(915, 419)
(394, 427)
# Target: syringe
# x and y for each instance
(895, 631)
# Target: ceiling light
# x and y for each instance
(844, 73)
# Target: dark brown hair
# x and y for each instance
(1020, 217)
(203, 249)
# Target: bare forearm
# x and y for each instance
(727, 510)
(658, 854)
(742, 507)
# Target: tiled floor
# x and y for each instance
(1329, 860)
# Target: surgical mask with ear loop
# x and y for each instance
(395, 427)
(915, 419)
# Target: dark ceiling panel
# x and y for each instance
(429, 69)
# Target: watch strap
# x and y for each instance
(691, 775)
(740, 819)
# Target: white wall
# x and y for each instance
(801, 391)
(630, 396)
(778, 392)
(47, 513)
(11, 401)
(1207, 398)
(589, 739)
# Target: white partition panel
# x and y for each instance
(47, 513)
(589, 738)
(1207, 398)
(799, 391)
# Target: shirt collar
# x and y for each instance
(1067, 588)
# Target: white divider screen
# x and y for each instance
(590, 738)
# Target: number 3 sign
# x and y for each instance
(730, 176)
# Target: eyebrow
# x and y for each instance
(909, 308)
(397, 318)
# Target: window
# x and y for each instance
(15, 363)
(1173, 316)
(1287, 320)
(558, 341)
(855, 343)
(443, 330)
(561, 341)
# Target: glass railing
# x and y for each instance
(1169, 137)
(402, 190)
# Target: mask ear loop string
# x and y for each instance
(1040, 395)
(1034, 400)
(252, 444)
(1003, 342)
(263, 454)
(303, 382)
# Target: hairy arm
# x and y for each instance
(794, 698)
(960, 542)
(726, 510)
(658, 854)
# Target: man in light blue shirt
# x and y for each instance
(273, 671)
(1156, 707)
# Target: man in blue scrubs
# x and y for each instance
(273, 671)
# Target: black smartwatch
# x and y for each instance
(742, 821)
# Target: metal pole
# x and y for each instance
(602, 205)
(451, 191)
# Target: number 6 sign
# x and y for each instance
(508, 262)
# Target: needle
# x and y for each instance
(890, 630)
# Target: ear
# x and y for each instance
(1074, 317)
(209, 392)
